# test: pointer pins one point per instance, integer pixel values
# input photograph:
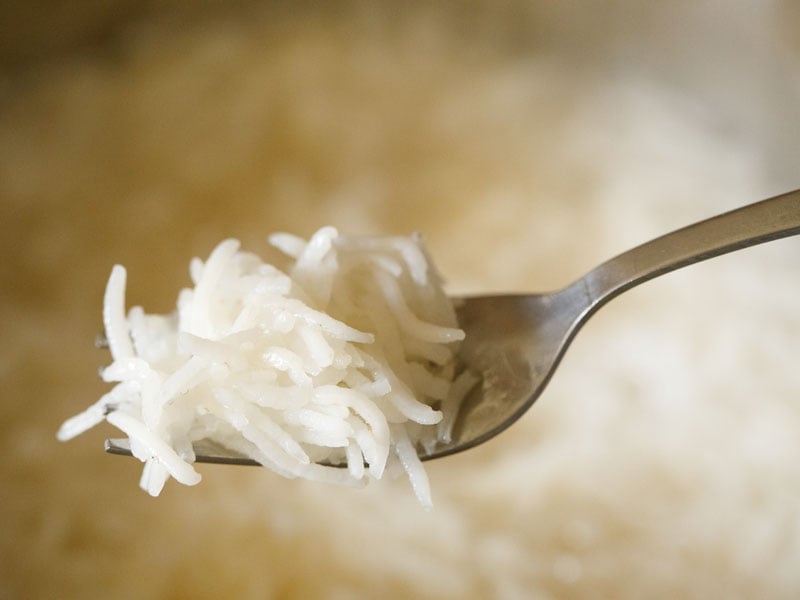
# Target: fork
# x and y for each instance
(515, 342)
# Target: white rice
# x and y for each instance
(347, 359)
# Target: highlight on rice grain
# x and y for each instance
(345, 358)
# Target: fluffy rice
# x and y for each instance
(345, 360)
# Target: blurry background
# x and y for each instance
(528, 141)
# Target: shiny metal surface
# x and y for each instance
(515, 342)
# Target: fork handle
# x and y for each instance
(753, 224)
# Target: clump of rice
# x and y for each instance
(342, 359)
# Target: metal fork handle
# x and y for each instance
(747, 226)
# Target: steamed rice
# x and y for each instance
(343, 360)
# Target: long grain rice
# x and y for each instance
(345, 358)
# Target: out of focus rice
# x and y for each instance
(661, 463)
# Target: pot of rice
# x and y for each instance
(527, 142)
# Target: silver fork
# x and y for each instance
(515, 342)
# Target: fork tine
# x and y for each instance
(205, 452)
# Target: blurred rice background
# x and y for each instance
(528, 141)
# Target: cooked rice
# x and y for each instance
(341, 360)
